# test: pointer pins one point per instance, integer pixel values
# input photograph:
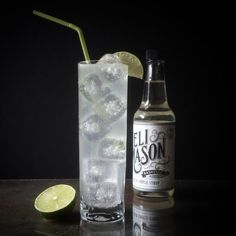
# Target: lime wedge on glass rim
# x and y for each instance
(55, 201)
(135, 68)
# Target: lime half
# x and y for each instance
(135, 68)
(55, 201)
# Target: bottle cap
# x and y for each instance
(153, 54)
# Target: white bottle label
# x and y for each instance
(153, 156)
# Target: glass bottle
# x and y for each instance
(154, 134)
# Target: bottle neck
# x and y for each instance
(155, 70)
(154, 92)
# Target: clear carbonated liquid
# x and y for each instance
(102, 136)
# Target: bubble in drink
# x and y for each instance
(94, 128)
(113, 149)
(92, 87)
(111, 107)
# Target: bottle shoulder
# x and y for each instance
(161, 115)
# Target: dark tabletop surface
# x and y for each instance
(198, 208)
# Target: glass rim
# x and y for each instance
(88, 62)
(93, 62)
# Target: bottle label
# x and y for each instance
(153, 156)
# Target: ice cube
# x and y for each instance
(94, 127)
(113, 73)
(96, 170)
(113, 149)
(111, 107)
(109, 58)
(111, 67)
(102, 195)
(92, 87)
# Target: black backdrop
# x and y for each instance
(38, 91)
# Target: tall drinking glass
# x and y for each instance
(102, 140)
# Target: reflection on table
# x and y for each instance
(153, 216)
(102, 229)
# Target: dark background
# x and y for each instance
(38, 90)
